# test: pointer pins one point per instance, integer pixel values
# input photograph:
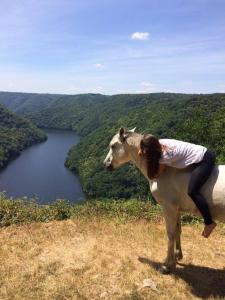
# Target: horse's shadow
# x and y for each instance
(204, 282)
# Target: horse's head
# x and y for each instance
(118, 154)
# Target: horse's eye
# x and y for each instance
(113, 147)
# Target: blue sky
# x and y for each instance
(111, 46)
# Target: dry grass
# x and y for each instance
(102, 259)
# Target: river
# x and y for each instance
(40, 172)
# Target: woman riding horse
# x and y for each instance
(179, 154)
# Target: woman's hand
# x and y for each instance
(162, 168)
(141, 152)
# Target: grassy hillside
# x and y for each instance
(16, 134)
(105, 251)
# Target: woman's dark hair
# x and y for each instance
(153, 152)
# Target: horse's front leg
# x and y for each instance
(171, 216)
(178, 251)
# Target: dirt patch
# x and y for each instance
(73, 253)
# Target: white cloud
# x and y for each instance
(72, 89)
(99, 66)
(147, 84)
(140, 36)
(148, 87)
(99, 88)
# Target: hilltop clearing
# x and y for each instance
(98, 258)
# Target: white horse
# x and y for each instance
(169, 189)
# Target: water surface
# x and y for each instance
(39, 171)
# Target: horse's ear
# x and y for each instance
(121, 131)
(132, 130)
(123, 134)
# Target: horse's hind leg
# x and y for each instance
(178, 251)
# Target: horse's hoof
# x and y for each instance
(164, 270)
(178, 255)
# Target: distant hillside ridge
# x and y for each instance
(23, 103)
(16, 134)
(96, 118)
(87, 112)
(28, 103)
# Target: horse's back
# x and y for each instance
(213, 190)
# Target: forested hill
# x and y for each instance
(23, 103)
(50, 109)
(194, 118)
(16, 134)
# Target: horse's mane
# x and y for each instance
(134, 139)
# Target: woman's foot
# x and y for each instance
(208, 229)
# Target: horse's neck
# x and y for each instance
(133, 143)
(133, 146)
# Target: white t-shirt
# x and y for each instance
(181, 154)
